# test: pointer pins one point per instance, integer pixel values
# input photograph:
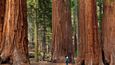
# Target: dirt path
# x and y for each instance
(44, 63)
(48, 63)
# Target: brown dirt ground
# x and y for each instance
(47, 63)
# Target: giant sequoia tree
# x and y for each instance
(62, 33)
(14, 37)
(108, 30)
(2, 14)
(89, 48)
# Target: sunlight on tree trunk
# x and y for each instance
(15, 49)
(36, 41)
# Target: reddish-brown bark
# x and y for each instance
(62, 30)
(89, 48)
(108, 29)
(14, 39)
(2, 14)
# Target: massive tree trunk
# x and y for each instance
(62, 30)
(109, 31)
(2, 14)
(15, 48)
(89, 48)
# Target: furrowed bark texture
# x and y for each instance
(109, 31)
(14, 39)
(89, 47)
(62, 30)
(2, 14)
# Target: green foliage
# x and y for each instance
(39, 10)
(72, 4)
(76, 52)
(100, 12)
(44, 12)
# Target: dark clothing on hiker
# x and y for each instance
(67, 60)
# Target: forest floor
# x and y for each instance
(47, 63)
(44, 63)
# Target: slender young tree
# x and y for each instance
(36, 32)
(75, 21)
(14, 39)
(62, 30)
(36, 39)
(108, 29)
(89, 47)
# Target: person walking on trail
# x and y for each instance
(66, 60)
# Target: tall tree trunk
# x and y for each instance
(75, 19)
(89, 48)
(109, 31)
(44, 41)
(62, 30)
(2, 15)
(14, 37)
(36, 33)
(36, 40)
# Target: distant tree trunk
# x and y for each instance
(44, 41)
(75, 19)
(15, 49)
(89, 47)
(36, 40)
(2, 15)
(109, 31)
(36, 25)
(100, 11)
(62, 31)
